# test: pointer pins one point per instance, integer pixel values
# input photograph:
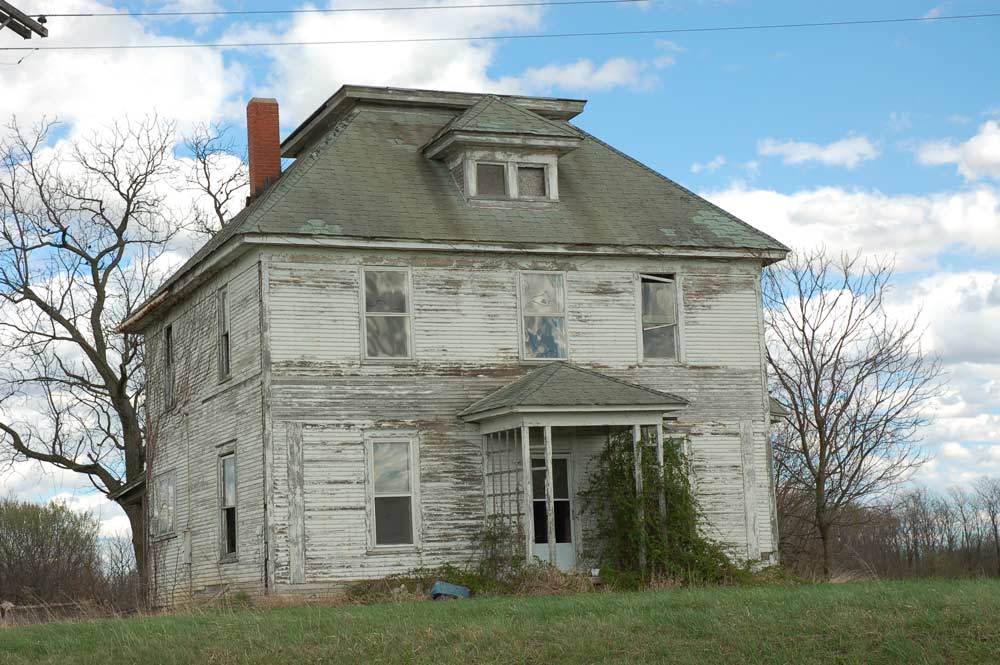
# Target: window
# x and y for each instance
(164, 493)
(491, 181)
(561, 505)
(168, 366)
(543, 308)
(392, 491)
(222, 300)
(227, 505)
(659, 316)
(387, 313)
(531, 182)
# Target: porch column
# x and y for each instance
(659, 466)
(637, 469)
(529, 506)
(550, 502)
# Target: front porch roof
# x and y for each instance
(561, 393)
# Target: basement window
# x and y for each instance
(491, 180)
(392, 491)
(543, 309)
(387, 313)
(227, 505)
(164, 502)
(659, 316)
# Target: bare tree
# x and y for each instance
(988, 492)
(83, 227)
(854, 382)
(215, 174)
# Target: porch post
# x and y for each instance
(659, 466)
(550, 502)
(637, 469)
(529, 505)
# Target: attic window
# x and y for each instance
(491, 181)
(531, 182)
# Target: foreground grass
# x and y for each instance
(911, 622)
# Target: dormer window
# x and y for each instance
(509, 180)
(531, 182)
(491, 180)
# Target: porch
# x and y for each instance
(540, 435)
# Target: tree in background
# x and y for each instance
(85, 227)
(855, 383)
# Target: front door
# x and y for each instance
(561, 486)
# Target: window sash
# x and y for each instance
(376, 496)
(652, 323)
(552, 315)
(223, 332)
(165, 500)
(545, 181)
(492, 195)
(168, 366)
(407, 327)
(228, 496)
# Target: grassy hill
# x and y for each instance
(892, 622)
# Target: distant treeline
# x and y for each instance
(918, 534)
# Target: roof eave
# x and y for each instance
(473, 416)
(443, 145)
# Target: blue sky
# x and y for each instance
(880, 138)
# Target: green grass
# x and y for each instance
(899, 622)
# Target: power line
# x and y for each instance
(557, 35)
(339, 10)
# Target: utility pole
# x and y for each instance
(14, 19)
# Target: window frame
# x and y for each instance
(364, 315)
(517, 183)
(666, 277)
(172, 531)
(575, 527)
(507, 196)
(413, 441)
(169, 354)
(225, 555)
(224, 338)
(522, 315)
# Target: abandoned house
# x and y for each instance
(431, 320)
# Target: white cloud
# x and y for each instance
(955, 450)
(914, 228)
(979, 157)
(847, 152)
(584, 75)
(711, 166)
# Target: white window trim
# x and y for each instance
(679, 313)
(576, 528)
(411, 438)
(521, 314)
(172, 532)
(222, 295)
(474, 188)
(225, 556)
(409, 315)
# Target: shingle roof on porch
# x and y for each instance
(564, 385)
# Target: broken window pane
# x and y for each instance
(388, 337)
(542, 293)
(659, 342)
(163, 505)
(544, 337)
(391, 464)
(531, 181)
(393, 524)
(385, 291)
(491, 181)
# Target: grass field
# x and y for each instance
(891, 622)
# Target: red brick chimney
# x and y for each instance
(263, 144)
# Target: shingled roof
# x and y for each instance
(564, 385)
(493, 114)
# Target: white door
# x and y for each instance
(562, 488)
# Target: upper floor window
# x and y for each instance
(168, 366)
(222, 300)
(164, 494)
(227, 505)
(659, 316)
(491, 180)
(513, 180)
(387, 313)
(531, 182)
(393, 487)
(543, 310)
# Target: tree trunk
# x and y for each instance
(826, 540)
(996, 542)
(136, 513)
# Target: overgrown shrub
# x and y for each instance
(660, 523)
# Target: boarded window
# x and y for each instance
(222, 300)
(491, 181)
(659, 316)
(168, 367)
(543, 306)
(387, 314)
(531, 182)
(392, 492)
(164, 495)
(227, 505)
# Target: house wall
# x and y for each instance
(325, 400)
(210, 418)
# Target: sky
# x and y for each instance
(883, 138)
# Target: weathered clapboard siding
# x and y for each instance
(601, 312)
(210, 418)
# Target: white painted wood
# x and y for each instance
(749, 487)
(296, 505)
(550, 506)
(529, 517)
(637, 471)
(659, 466)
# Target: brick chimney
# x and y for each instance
(263, 144)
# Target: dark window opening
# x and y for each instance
(491, 181)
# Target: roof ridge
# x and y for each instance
(681, 187)
(532, 114)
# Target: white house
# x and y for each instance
(432, 318)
